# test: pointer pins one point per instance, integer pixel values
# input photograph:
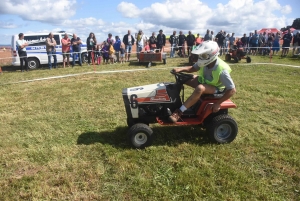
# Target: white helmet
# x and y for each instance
(207, 52)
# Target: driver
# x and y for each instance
(214, 77)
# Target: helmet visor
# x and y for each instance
(203, 56)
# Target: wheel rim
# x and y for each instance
(31, 64)
(140, 138)
(223, 131)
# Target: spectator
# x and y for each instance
(212, 36)
(181, 41)
(254, 42)
(117, 46)
(295, 43)
(174, 43)
(105, 52)
(21, 45)
(111, 52)
(231, 41)
(122, 54)
(161, 40)
(198, 39)
(190, 41)
(287, 39)
(261, 43)
(244, 41)
(152, 42)
(226, 43)
(98, 54)
(76, 49)
(249, 42)
(91, 44)
(140, 42)
(207, 36)
(269, 43)
(110, 39)
(147, 47)
(128, 40)
(51, 51)
(66, 43)
(276, 45)
(220, 40)
(239, 43)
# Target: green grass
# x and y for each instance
(65, 139)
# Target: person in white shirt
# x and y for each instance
(140, 42)
(22, 44)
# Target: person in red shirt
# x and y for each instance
(66, 43)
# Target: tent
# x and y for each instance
(292, 30)
(268, 30)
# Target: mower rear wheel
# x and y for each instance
(248, 59)
(227, 57)
(236, 59)
(140, 136)
(222, 129)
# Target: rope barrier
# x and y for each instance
(245, 48)
(131, 70)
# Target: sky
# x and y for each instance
(117, 17)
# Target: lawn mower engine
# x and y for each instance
(144, 103)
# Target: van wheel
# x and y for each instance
(84, 57)
(33, 63)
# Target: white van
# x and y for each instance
(36, 50)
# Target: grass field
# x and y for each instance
(65, 139)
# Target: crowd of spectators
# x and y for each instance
(115, 50)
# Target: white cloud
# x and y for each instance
(237, 16)
(128, 10)
(7, 25)
(39, 10)
(286, 9)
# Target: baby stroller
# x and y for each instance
(237, 54)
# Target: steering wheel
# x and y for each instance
(181, 78)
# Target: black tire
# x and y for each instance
(236, 59)
(227, 57)
(33, 63)
(222, 129)
(84, 57)
(140, 136)
(165, 61)
(248, 59)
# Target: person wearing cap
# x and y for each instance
(161, 40)
(214, 77)
(22, 44)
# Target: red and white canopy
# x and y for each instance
(268, 30)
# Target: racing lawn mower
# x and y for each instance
(154, 103)
(237, 54)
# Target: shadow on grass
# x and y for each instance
(162, 135)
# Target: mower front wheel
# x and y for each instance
(222, 129)
(140, 136)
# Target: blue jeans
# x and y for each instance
(172, 53)
(74, 58)
(52, 53)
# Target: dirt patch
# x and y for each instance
(5, 57)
